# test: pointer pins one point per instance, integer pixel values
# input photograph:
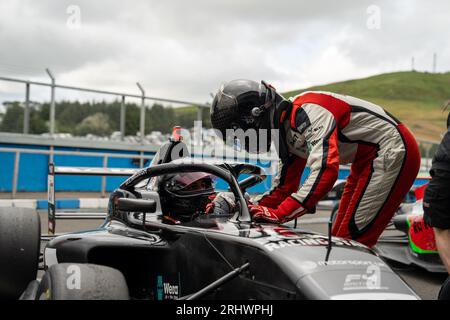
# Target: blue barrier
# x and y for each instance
(33, 169)
(60, 204)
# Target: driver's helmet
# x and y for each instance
(185, 195)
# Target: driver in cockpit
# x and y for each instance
(185, 196)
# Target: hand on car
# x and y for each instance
(289, 209)
(223, 203)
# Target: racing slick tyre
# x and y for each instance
(444, 293)
(20, 237)
(71, 281)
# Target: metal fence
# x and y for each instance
(427, 147)
(121, 95)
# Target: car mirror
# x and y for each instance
(250, 182)
(137, 205)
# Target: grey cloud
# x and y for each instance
(185, 49)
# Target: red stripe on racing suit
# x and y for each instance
(286, 182)
(324, 115)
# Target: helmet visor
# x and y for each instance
(191, 183)
(224, 112)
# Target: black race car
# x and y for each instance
(141, 251)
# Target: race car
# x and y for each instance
(409, 240)
(145, 251)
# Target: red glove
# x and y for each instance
(209, 208)
(210, 205)
(289, 209)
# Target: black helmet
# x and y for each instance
(185, 195)
(243, 104)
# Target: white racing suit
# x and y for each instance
(324, 130)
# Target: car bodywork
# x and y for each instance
(162, 260)
(415, 243)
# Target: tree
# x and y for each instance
(13, 118)
(37, 124)
(97, 124)
(71, 114)
(159, 118)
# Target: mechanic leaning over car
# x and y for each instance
(436, 202)
(327, 129)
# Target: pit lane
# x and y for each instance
(425, 284)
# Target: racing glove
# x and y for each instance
(289, 209)
(222, 204)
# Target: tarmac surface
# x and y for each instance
(424, 283)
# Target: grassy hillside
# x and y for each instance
(416, 98)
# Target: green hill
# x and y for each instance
(416, 98)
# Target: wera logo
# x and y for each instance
(167, 289)
(170, 289)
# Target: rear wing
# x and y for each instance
(76, 171)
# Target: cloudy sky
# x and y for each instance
(185, 49)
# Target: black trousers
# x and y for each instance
(436, 201)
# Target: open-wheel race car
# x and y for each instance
(409, 240)
(142, 251)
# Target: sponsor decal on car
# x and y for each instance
(370, 280)
(352, 263)
(421, 235)
(311, 265)
(279, 242)
(168, 287)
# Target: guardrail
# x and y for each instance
(53, 170)
(105, 156)
(51, 153)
